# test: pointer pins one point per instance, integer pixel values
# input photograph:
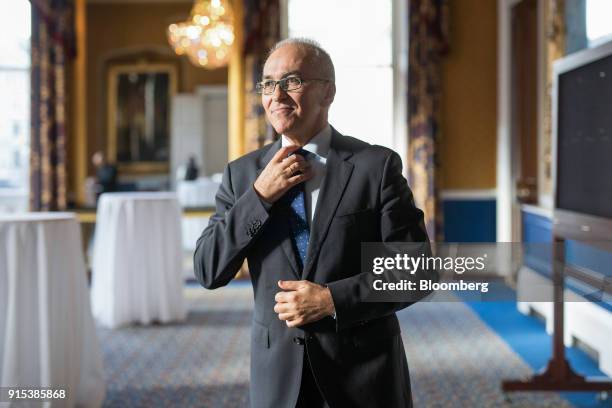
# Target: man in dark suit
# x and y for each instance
(298, 210)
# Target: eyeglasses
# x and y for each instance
(291, 83)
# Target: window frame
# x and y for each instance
(399, 68)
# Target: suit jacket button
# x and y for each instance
(298, 340)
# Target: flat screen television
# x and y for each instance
(582, 132)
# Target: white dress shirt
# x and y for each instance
(319, 146)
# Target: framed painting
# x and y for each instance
(139, 108)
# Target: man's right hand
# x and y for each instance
(282, 173)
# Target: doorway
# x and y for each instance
(520, 100)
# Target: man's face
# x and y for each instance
(98, 159)
(300, 112)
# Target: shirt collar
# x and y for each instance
(318, 145)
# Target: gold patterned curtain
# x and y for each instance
(51, 47)
(261, 32)
(555, 49)
(428, 43)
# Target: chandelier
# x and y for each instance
(207, 37)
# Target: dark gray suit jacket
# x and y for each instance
(358, 359)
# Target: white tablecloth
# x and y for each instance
(137, 276)
(47, 334)
(196, 193)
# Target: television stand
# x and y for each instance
(558, 374)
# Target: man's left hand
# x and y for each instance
(303, 302)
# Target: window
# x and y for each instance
(14, 105)
(598, 25)
(359, 36)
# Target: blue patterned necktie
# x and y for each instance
(298, 220)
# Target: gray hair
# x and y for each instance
(324, 61)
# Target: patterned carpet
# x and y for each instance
(455, 360)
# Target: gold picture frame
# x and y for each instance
(139, 108)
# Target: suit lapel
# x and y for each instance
(287, 244)
(282, 227)
(338, 173)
